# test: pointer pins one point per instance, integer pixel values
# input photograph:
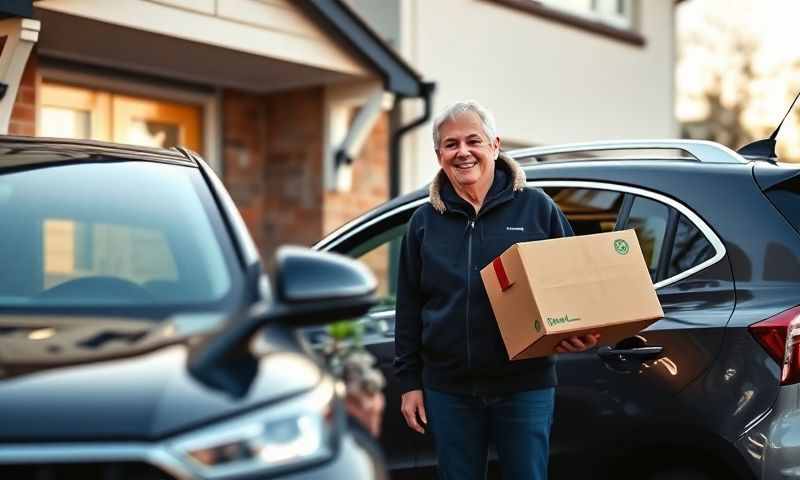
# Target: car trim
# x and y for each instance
(324, 243)
(702, 150)
(328, 242)
(155, 455)
(698, 222)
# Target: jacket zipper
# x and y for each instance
(471, 229)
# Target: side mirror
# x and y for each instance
(311, 288)
(318, 287)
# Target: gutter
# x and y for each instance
(395, 152)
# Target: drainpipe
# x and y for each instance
(397, 135)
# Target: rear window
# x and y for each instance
(111, 233)
(691, 248)
(786, 198)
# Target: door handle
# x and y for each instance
(625, 354)
(382, 319)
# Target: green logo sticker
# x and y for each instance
(537, 325)
(621, 246)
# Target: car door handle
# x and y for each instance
(383, 319)
(638, 353)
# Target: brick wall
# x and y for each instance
(370, 185)
(370, 188)
(23, 115)
(273, 165)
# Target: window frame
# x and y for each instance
(349, 234)
(589, 23)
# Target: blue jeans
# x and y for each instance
(518, 424)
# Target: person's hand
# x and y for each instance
(413, 405)
(578, 343)
(367, 408)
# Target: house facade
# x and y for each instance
(552, 71)
(290, 102)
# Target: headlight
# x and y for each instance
(298, 431)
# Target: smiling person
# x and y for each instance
(456, 378)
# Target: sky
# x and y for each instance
(710, 34)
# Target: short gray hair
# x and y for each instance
(463, 106)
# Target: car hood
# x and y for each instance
(132, 385)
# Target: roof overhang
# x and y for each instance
(262, 48)
(16, 8)
(342, 22)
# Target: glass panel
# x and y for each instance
(691, 248)
(65, 123)
(786, 198)
(78, 249)
(649, 219)
(153, 239)
(588, 210)
(153, 134)
(380, 254)
(614, 12)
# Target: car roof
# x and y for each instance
(23, 151)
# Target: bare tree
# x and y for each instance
(724, 91)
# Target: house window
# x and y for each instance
(616, 19)
(76, 112)
(618, 13)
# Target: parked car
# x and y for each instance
(709, 391)
(139, 337)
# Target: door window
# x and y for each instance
(380, 254)
(649, 219)
(589, 210)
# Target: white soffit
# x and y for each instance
(269, 28)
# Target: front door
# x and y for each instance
(69, 111)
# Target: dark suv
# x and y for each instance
(139, 338)
(709, 391)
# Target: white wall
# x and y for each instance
(546, 82)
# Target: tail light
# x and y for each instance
(780, 337)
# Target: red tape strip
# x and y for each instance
(500, 271)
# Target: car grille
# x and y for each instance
(83, 471)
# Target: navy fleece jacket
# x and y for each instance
(446, 336)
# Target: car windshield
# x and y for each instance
(112, 233)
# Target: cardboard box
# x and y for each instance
(545, 291)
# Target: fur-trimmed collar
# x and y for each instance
(434, 190)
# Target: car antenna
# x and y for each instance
(765, 149)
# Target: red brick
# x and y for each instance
(23, 115)
(21, 128)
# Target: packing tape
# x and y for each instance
(502, 277)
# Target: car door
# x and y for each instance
(609, 395)
(376, 243)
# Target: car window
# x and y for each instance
(649, 219)
(380, 254)
(691, 248)
(786, 198)
(589, 210)
(111, 233)
(74, 249)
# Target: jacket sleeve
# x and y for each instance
(559, 225)
(408, 324)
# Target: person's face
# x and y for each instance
(465, 153)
